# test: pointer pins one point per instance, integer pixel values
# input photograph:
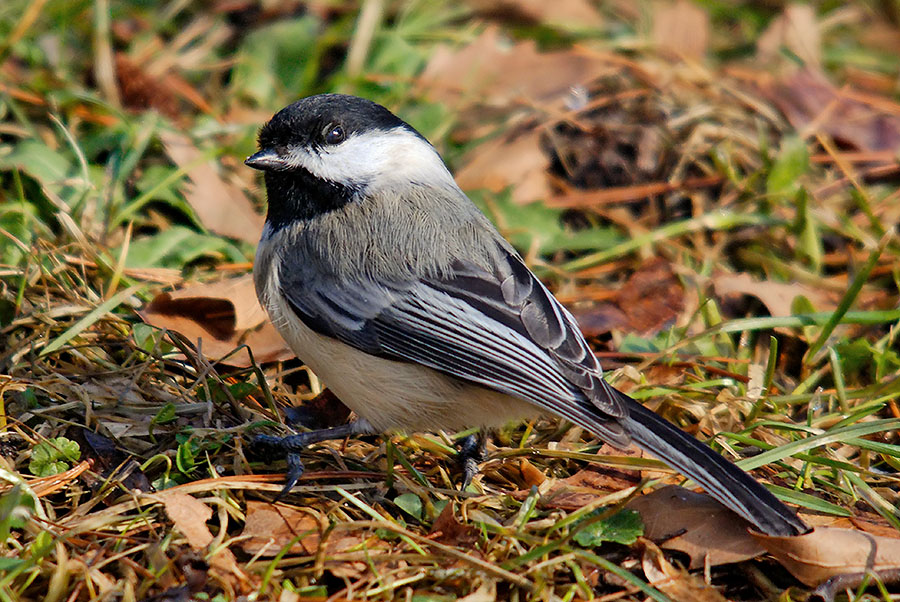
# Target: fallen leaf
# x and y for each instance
(112, 465)
(649, 301)
(531, 475)
(512, 159)
(486, 592)
(826, 553)
(189, 516)
(652, 297)
(864, 122)
(140, 91)
(221, 207)
(681, 28)
(778, 297)
(676, 583)
(492, 71)
(583, 487)
(268, 528)
(694, 523)
(323, 411)
(447, 529)
(271, 527)
(796, 29)
(220, 316)
(569, 14)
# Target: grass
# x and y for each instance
(95, 221)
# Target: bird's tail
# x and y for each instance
(724, 481)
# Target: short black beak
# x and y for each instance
(266, 160)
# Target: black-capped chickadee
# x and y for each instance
(400, 294)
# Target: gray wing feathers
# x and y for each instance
(502, 330)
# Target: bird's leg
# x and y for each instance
(472, 451)
(290, 447)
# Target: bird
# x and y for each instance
(388, 282)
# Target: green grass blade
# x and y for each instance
(91, 318)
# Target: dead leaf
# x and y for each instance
(221, 315)
(574, 14)
(587, 485)
(531, 475)
(676, 583)
(681, 28)
(190, 515)
(447, 529)
(270, 527)
(870, 522)
(140, 91)
(796, 29)
(221, 207)
(652, 297)
(864, 122)
(513, 159)
(491, 71)
(826, 553)
(694, 523)
(778, 297)
(649, 301)
(486, 592)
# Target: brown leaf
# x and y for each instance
(190, 515)
(681, 28)
(531, 475)
(221, 207)
(513, 159)
(447, 529)
(578, 14)
(272, 527)
(269, 528)
(587, 485)
(694, 523)
(864, 122)
(140, 90)
(650, 300)
(678, 584)
(828, 552)
(778, 297)
(492, 72)
(221, 315)
(796, 29)
(599, 319)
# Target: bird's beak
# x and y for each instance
(267, 160)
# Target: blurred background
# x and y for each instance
(710, 186)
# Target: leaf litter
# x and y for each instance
(620, 145)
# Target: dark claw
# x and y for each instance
(294, 472)
(275, 448)
(472, 451)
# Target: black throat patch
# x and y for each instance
(297, 195)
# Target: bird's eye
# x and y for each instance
(334, 135)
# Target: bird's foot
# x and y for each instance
(289, 448)
(472, 451)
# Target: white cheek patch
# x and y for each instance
(379, 158)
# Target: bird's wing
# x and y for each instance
(504, 330)
(501, 329)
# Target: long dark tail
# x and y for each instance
(720, 478)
